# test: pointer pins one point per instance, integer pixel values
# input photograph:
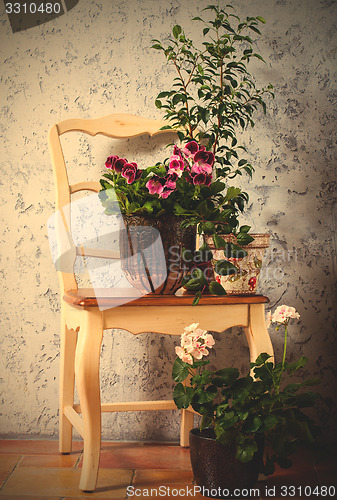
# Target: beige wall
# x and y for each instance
(96, 60)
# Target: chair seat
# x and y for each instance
(87, 297)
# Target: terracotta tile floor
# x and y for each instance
(34, 470)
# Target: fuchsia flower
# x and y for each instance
(131, 172)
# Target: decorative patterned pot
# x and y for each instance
(152, 252)
(216, 469)
(246, 280)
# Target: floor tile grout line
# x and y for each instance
(11, 472)
(75, 466)
(131, 482)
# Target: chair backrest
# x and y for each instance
(117, 126)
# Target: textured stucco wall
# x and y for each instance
(97, 60)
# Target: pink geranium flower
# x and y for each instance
(155, 185)
(204, 168)
(176, 165)
(110, 161)
(204, 158)
(282, 315)
(119, 164)
(194, 344)
(190, 148)
(130, 172)
(165, 193)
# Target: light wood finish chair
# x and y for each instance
(83, 320)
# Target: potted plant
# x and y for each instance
(242, 416)
(213, 97)
(172, 197)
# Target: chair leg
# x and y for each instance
(87, 381)
(67, 380)
(186, 425)
(257, 334)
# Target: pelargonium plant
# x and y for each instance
(260, 407)
(183, 185)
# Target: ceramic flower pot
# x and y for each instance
(216, 469)
(152, 252)
(246, 280)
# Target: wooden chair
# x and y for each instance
(86, 313)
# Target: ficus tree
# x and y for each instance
(214, 95)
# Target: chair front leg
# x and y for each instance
(87, 381)
(257, 333)
(67, 381)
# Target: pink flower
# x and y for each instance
(119, 164)
(190, 148)
(204, 158)
(201, 169)
(283, 314)
(171, 179)
(194, 344)
(110, 161)
(155, 185)
(176, 165)
(130, 172)
(165, 193)
(209, 340)
(177, 152)
(186, 358)
(202, 179)
(115, 163)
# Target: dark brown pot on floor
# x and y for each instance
(152, 256)
(216, 469)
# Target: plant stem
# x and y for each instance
(285, 345)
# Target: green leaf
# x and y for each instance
(245, 229)
(225, 268)
(182, 396)
(179, 370)
(176, 30)
(234, 251)
(246, 449)
(261, 359)
(232, 192)
(163, 94)
(270, 421)
(216, 288)
(196, 299)
(228, 375)
(261, 19)
(218, 241)
(244, 239)
(158, 103)
(242, 162)
(207, 227)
